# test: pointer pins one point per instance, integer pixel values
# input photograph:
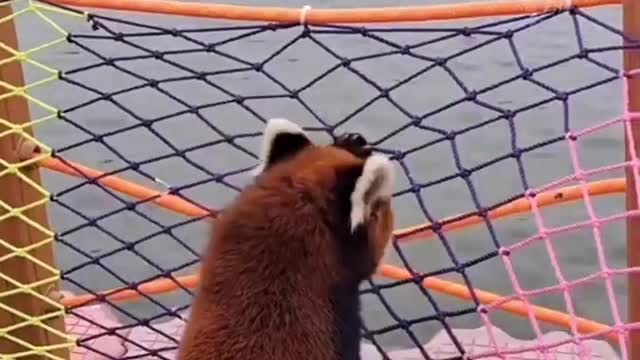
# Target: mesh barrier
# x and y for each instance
(31, 320)
(476, 117)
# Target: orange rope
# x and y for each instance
(325, 16)
(179, 205)
(520, 206)
(139, 192)
(516, 307)
(160, 286)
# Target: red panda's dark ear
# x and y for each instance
(374, 183)
(281, 139)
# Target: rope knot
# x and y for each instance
(303, 14)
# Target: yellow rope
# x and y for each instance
(14, 168)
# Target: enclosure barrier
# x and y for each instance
(31, 320)
(32, 306)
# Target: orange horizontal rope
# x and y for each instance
(154, 287)
(139, 192)
(520, 206)
(515, 307)
(326, 16)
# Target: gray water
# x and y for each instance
(334, 98)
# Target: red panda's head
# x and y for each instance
(349, 186)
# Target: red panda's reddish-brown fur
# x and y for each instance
(282, 263)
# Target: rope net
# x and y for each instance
(476, 117)
(31, 320)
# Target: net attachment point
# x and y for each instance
(27, 149)
(303, 14)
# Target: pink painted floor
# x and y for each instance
(476, 341)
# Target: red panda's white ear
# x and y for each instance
(281, 139)
(375, 183)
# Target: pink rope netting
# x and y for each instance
(546, 234)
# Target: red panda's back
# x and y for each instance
(216, 335)
(259, 299)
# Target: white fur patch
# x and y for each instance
(274, 127)
(376, 181)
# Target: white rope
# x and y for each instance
(551, 5)
(306, 8)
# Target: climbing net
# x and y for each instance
(481, 119)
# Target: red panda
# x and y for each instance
(280, 278)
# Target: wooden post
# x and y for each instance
(17, 193)
(631, 9)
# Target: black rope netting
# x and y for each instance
(181, 109)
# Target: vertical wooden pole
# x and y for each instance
(17, 193)
(631, 10)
